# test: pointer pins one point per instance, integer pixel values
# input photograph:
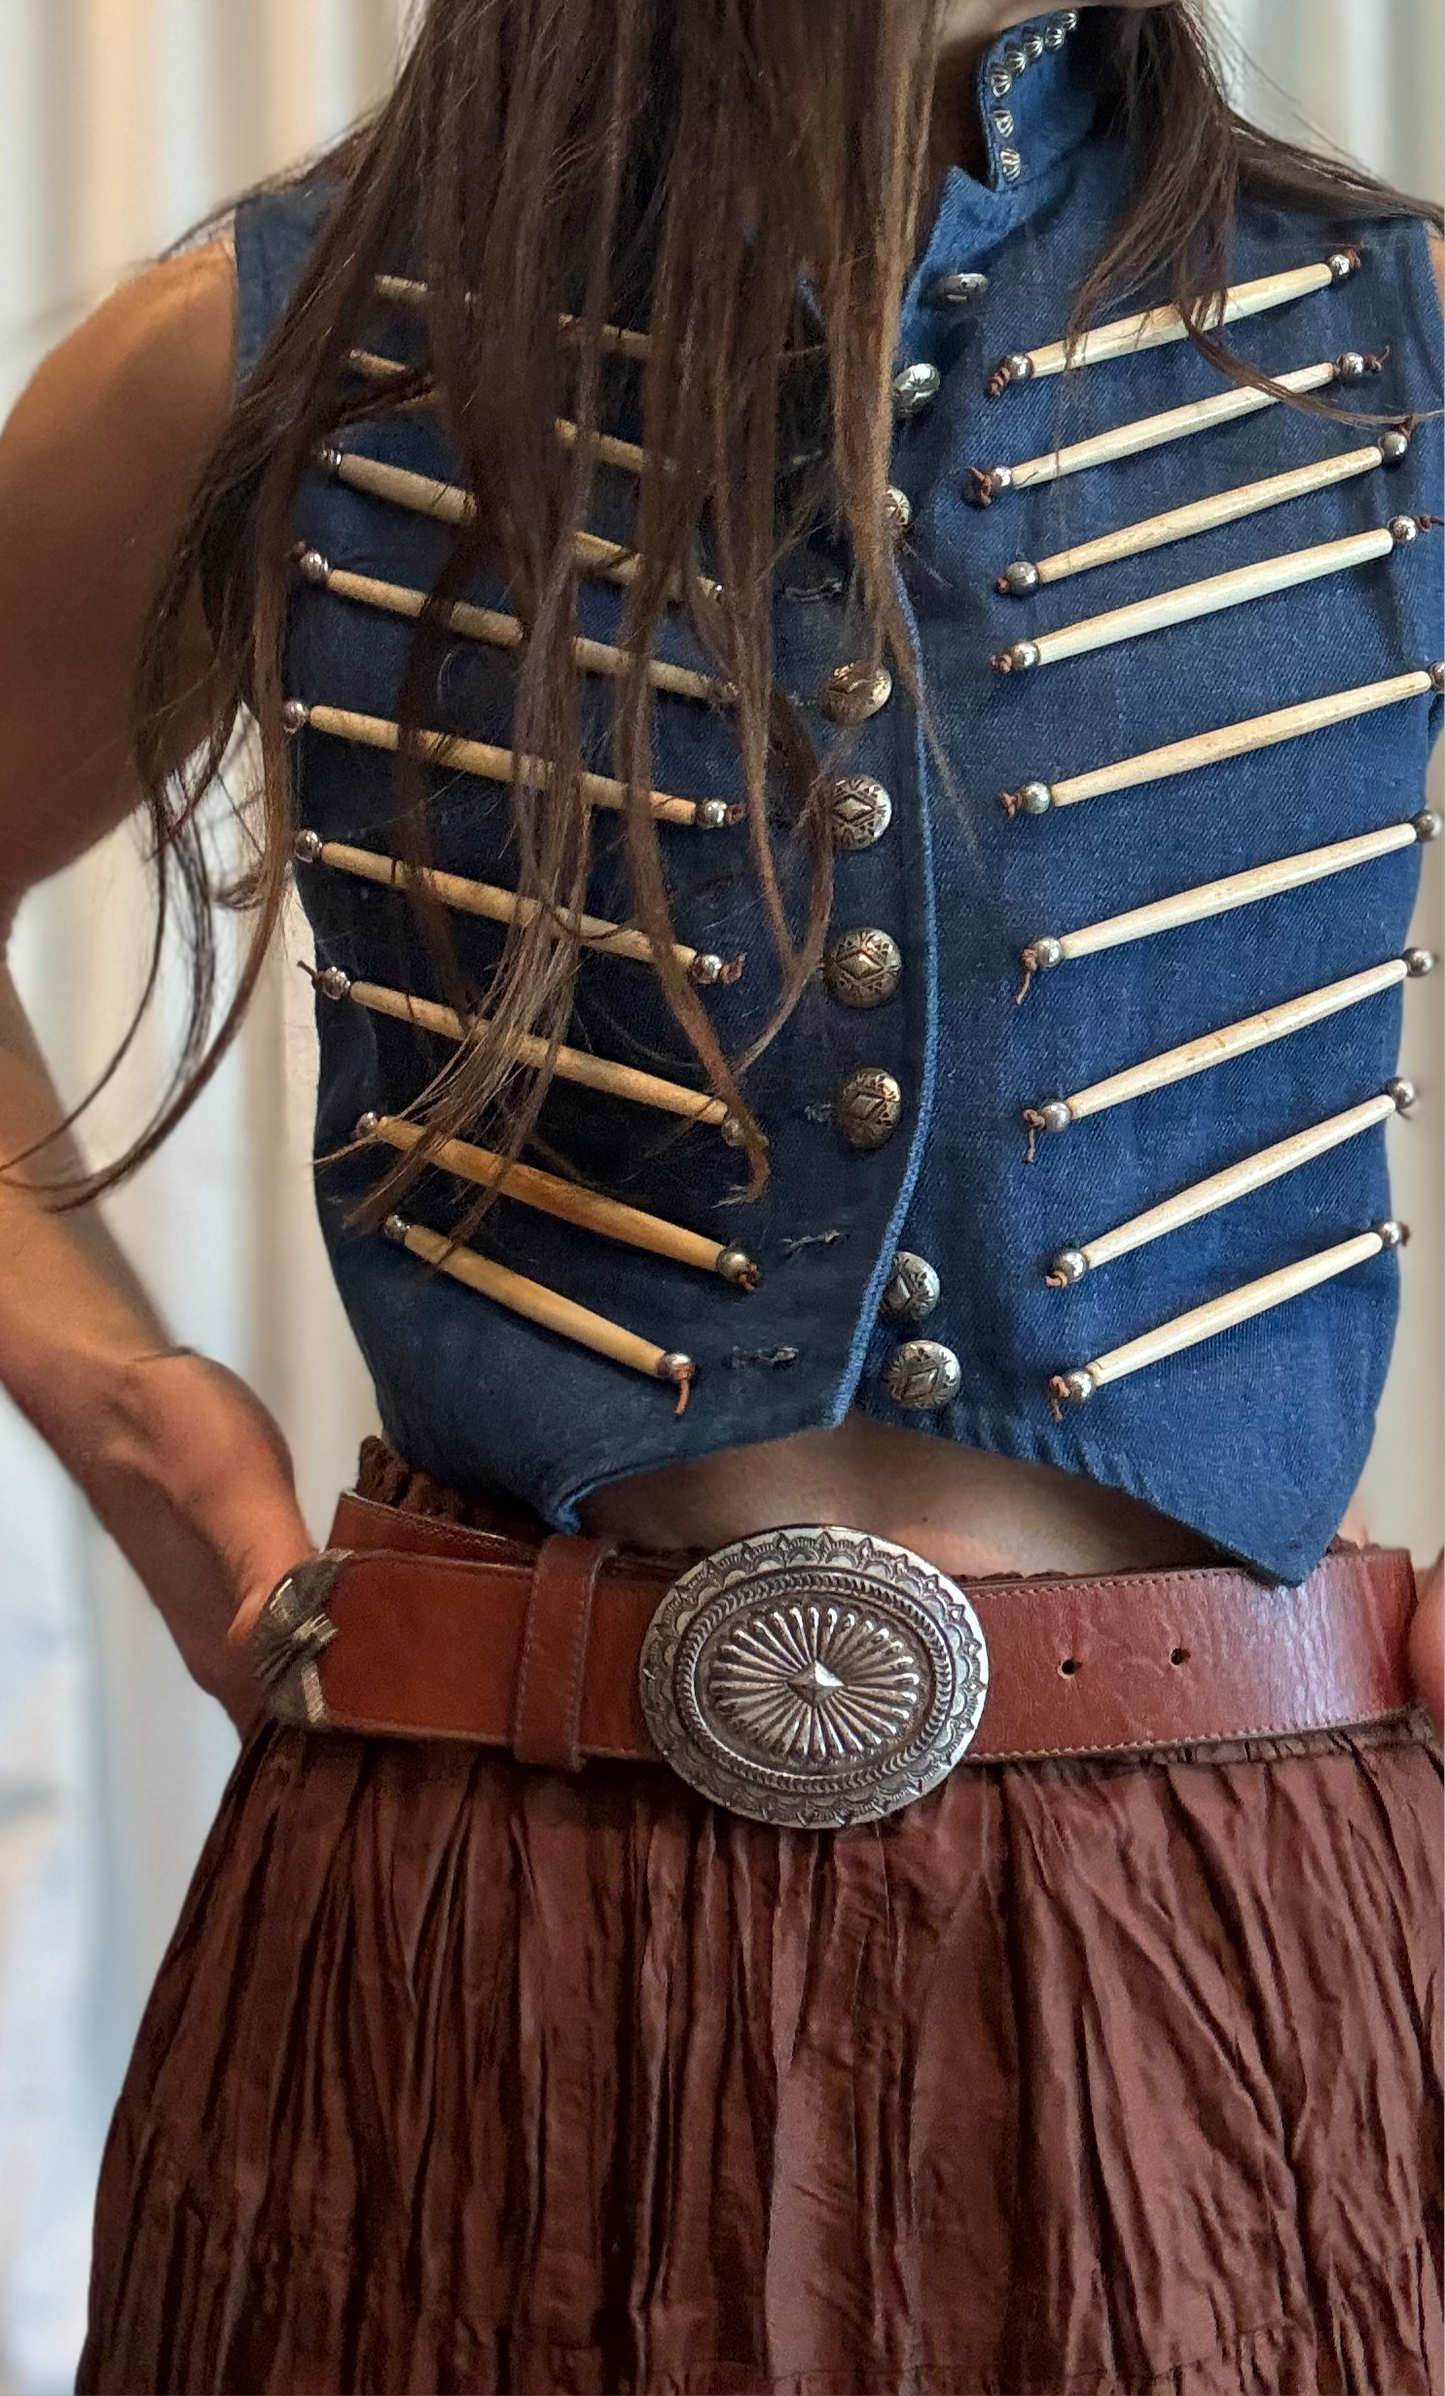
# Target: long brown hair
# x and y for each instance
(678, 164)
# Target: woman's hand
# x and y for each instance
(1427, 1644)
(192, 1477)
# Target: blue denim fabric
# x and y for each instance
(1255, 1438)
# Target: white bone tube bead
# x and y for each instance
(1189, 601)
(1242, 739)
(449, 503)
(1152, 432)
(499, 631)
(548, 1194)
(569, 1064)
(1222, 1189)
(401, 291)
(1222, 1314)
(1217, 1048)
(610, 451)
(1233, 890)
(547, 1307)
(1206, 515)
(506, 907)
(1154, 328)
(491, 764)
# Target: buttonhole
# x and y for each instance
(1069, 1667)
(1179, 1655)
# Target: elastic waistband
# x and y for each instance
(812, 1655)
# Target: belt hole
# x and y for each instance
(1179, 1655)
(1069, 1667)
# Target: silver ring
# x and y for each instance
(813, 1677)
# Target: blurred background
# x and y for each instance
(121, 123)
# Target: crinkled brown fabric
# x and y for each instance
(1071, 2080)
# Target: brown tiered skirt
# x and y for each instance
(1071, 2079)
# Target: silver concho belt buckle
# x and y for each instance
(813, 1678)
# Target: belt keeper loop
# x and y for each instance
(547, 1714)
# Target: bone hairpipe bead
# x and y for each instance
(1153, 328)
(577, 1065)
(1234, 1040)
(987, 483)
(1227, 740)
(1222, 1314)
(1233, 890)
(491, 764)
(499, 631)
(1189, 602)
(548, 1194)
(608, 449)
(1223, 1189)
(547, 1307)
(1201, 515)
(402, 291)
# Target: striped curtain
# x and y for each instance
(121, 123)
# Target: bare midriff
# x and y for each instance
(970, 1514)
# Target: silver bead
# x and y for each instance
(923, 1375)
(1044, 954)
(676, 1367)
(1341, 265)
(915, 388)
(705, 970)
(856, 692)
(330, 459)
(868, 1108)
(1033, 46)
(1403, 1093)
(1391, 1234)
(295, 716)
(313, 567)
(859, 812)
(911, 1291)
(1419, 962)
(1017, 367)
(737, 1267)
(1055, 1114)
(1002, 120)
(732, 1132)
(1016, 58)
(957, 290)
(1437, 676)
(1000, 82)
(1069, 1266)
(1021, 579)
(863, 968)
(1076, 1387)
(1022, 656)
(306, 848)
(897, 510)
(1010, 165)
(367, 1125)
(997, 480)
(1403, 530)
(1394, 445)
(712, 814)
(1034, 798)
(396, 1228)
(333, 983)
(1427, 826)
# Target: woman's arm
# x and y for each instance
(97, 468)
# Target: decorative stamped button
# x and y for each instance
(813, 1677)
(912, 1290)
(869, 1108)
(859, 812)
(923, 1375)
(863, 968)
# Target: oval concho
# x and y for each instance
(813, 1677)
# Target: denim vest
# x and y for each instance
(950, 1159)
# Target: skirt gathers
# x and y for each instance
(1070, 2080)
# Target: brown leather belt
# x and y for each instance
(414, 1627)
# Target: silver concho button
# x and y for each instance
(856, 692)
(813, 1678)
(863, 968)
(860, 812)
(959, 289)
(915, 388)
(869, 1108)
(922, 1375)
(912, 1289)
